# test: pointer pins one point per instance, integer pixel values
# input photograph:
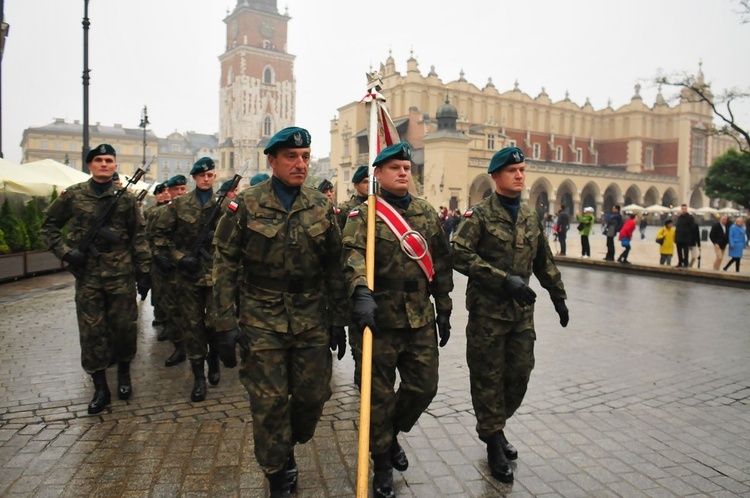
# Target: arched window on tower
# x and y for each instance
(230, 76)
(267, 126)
(268, 76)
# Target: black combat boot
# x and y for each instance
(163, 334)
(398, 455)
(382, 481)
(278, 484)
(199, 387)
(178, 355)
(214, 373)
(510, 451)
(101, 393)
(292, 472)
(124, 387)
(496, 459)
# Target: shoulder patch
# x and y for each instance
(336, 210)
(468, 213)
(232, 206)
(354, 213)
(63, 191)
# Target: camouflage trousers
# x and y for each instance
(288, 378)
(413, 352)
(159, 294)
(197, 314)
(500, 355)
(107, 320)
(173, 307)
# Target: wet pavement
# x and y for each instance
(645, 394)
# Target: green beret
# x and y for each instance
(505, 157)
(289, 138)
(226, 185)
(176, 181)
(360, 174)
(401, 151)
(202, 165)
(325, 186)
(160, 188)
(260, 177)
(115, 177)
(100, 150)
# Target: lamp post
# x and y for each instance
(144, 124)
(85, 148)
(4, 28)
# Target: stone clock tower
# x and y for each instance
(257, 89)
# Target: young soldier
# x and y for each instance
(279, 246)
(183, 234)
(400, 312)
(105, 291)
(157, 292)
(361, 182)
(499, 245)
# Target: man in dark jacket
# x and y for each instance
(613, 225)
(719, 237)
(684, 236)
(561, 228)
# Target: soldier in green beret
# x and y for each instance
(499, 244)
(326, 187)
(361, 182)
(158, 286)
(280, 248)
(105, 292)
(183, 237)
(256, 179)
(412, 263)
(227, 187)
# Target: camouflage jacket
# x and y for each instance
(487, 246)
(78, 207)
(176, 229)
(151, 216)
(402, 307)
(285, 264)
(346, 208)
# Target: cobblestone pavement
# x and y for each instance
(645, 394)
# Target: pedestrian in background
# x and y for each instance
(585, 227)
(737, 234)
(561, 228)
(499, 245)
(665, 239)
(613, 224)
(626, 235)
(684, 236)
(105, 291)
(719, 237)
(642, 225)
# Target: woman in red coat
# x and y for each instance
(626, 233)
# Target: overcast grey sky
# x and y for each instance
(164, 54)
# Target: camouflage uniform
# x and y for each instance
(500, 333)
(406, 337)
(346, 208)
(105, 294)
(159, 282)
(175, 231)
(284, 264)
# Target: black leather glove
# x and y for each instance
(562, 311)
(227, 342)
(163, 263)
(443, 322)
(75, 258)
(143, 284)
(189, 265)
(337, 340)
(519, 291)
(363, 309)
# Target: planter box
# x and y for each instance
(25, 264)
(12, 266)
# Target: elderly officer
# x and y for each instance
(105, 291)
(176, 187)
(498, 246)
(184, 234)
(280, 247)
(400, 312)
(361, 183)
(158, 291)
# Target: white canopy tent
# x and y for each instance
(17, 180)
(656, 208)
(633, 208)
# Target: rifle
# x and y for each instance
(98, 229)
(198, 251)
(142, 194)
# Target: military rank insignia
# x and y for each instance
(233, 206)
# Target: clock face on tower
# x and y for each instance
(267, 29)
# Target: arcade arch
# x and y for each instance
(652, 197)
(633, 195)
(612, 196)
(566, 196)
(481, 188)
(539, 196)
(590, 196)
(669, 198)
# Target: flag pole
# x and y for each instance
(363, 458)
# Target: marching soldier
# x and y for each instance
(361, 183)
(412, 263)
(499, 245)
(280, 241)
(157, 292)
(182, 236)
(105, 290)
